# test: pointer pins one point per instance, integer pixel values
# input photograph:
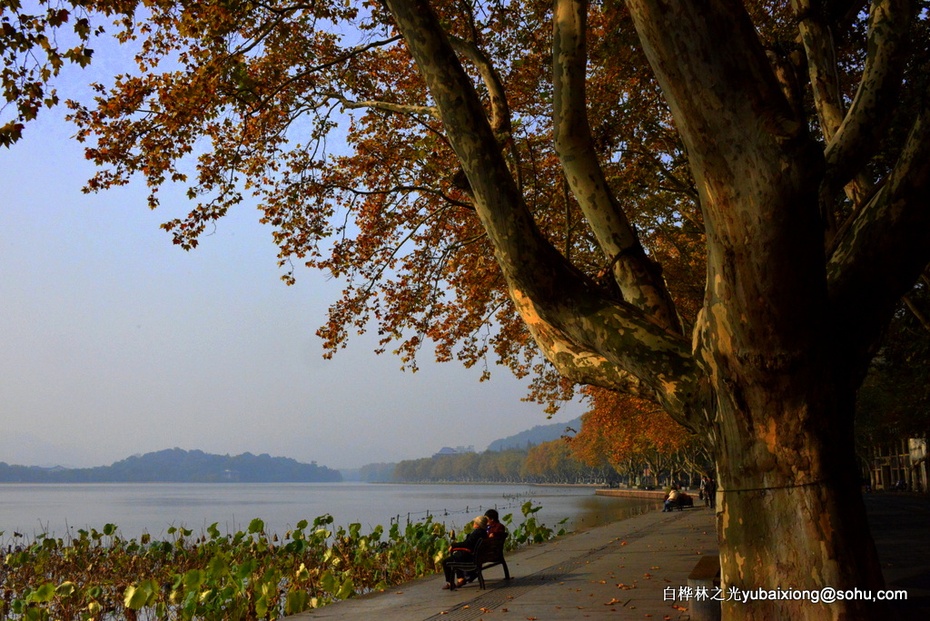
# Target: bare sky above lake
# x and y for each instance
(115, 342)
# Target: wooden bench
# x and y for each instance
(705, 574)
(488, 553)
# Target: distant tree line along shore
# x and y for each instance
(552, 462)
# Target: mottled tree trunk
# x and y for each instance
(790, 513)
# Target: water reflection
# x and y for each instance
(599, 510)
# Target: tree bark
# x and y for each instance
(769, 375)
(790, 510)
(639, 280)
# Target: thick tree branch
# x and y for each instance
(885, 249)
(584, 366)
(639, 279)
(386, 106)
(816, 23)
(408, 189)
(757, 172)
(817, 38)
(857, 138)
(538, 277)
(500, 110)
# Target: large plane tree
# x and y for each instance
(712, 205)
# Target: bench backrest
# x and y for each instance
(491, 550)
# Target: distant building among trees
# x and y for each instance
(898, 465)
(459, 450)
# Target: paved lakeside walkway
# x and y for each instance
(623, 570)
(573, 577)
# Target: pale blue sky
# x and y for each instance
(116, 342)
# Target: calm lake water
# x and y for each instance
(153, 508)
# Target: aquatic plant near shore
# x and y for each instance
(531, 530)
(99, 576)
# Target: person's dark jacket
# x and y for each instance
(470, 542)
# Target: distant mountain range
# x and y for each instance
(179, 466)
(537, 435)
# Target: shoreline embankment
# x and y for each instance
(631, 493)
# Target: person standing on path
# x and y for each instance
(710, 493)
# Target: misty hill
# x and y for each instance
(179, 466)
(537, 435)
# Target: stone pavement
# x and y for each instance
(625, 570)
(901, 529)
(593, 574)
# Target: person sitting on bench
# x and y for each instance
(495, 529)
(671, 501)
(464, 550)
